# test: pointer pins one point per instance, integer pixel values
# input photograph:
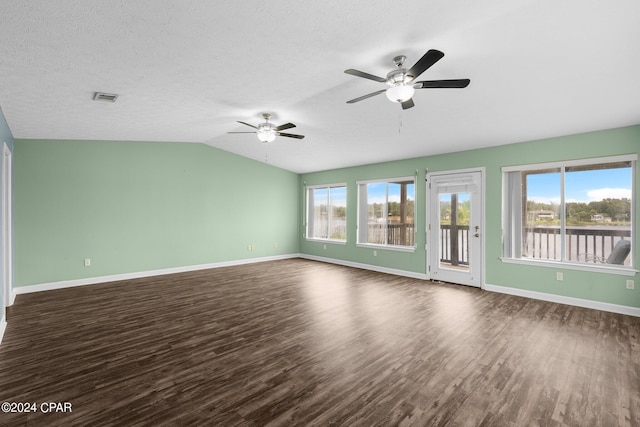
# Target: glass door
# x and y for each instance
(455, 235)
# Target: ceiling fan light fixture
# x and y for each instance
(400, 92)
(266, 132)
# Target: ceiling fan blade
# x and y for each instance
(408, 104)
(290, 135)
(436, 84)
(427, 60)
(285, 126)
(365, 75)
(245, 123)
(242, 132)
(366, 96)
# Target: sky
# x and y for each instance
(338, 196)
(582, 186)
(376, 192)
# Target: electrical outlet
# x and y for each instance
(375, 253)
(275, 245)
(559, 276)
(630, 284)
(324, 247)
(87, 262)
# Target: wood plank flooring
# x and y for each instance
(303, 343)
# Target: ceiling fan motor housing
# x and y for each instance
(398, 76)
(399, 88)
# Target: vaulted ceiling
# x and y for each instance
(186, 71)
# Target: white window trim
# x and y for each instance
(399, 179)
(339, 184)
(600, 268)
(569, 163)
(306, 213)
(332, 241)
(387, 247)
(359, 213)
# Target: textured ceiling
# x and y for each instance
(187, 70)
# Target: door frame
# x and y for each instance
(428, 177)
(7, 227)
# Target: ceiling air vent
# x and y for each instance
(107, 97)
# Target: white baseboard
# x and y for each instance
(596, 305)
(12, 298)
(579, 302)
(128, 276)
(3, 327)
(363, 266)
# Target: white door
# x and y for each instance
(455, 227)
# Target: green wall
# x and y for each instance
(143, 206)
(608, 288)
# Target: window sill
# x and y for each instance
(332, 241)
(387, 247)
(599, 268)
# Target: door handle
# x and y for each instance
(477, 235)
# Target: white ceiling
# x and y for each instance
(187, 70)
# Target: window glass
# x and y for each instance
(327, 212)
(377, 207)
(337, 227)
(541, 228)
(579, 212)
(390, 212)
(598, 211)
(320, 222)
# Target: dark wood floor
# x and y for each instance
(297, 342)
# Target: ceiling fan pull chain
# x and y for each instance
(400, 122)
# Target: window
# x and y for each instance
(327, 212)
(576, 212)
(386, 213)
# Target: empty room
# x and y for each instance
(338, 213)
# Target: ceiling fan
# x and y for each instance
(401, 81)
(267, 131)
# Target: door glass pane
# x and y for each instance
(455, 211)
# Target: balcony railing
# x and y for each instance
(454, 251)
(583, 244)
(397, 234)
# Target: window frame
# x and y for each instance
(362, 214)
(511, 241)
(309, 209)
